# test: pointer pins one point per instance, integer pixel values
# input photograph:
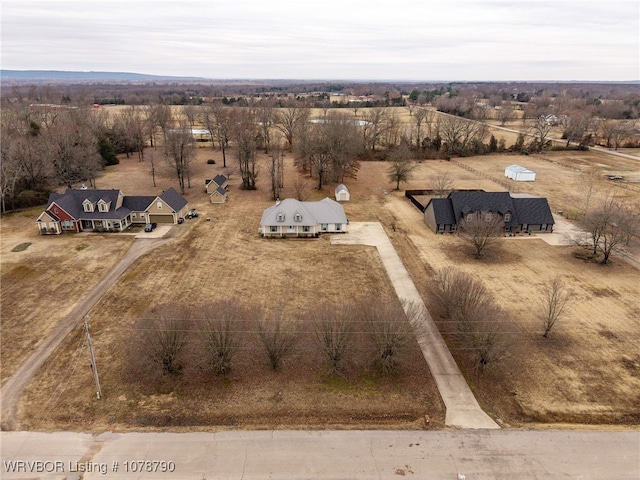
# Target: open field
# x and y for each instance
(587, 372)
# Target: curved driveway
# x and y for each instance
(462, 407)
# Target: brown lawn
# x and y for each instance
(587, 372)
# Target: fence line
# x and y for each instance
(510, 187)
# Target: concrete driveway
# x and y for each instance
(462, 408)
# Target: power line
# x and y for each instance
(93, 359)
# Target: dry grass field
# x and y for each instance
(587, 372)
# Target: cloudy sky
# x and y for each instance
(331, 39)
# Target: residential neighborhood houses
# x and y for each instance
(520, 213)
(293, 218)
(78, 210)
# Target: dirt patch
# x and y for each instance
(584, 373)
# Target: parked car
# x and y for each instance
(192, 213)
(180, 220)
(150, 227)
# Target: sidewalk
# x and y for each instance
(462, 407)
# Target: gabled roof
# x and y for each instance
(172, 198)
(220, 191)
(443, 211)
(466, 202)
(72, 199)
(309, 213)
(219, 180)
(533, 210)
(138, 203)
(525, 209)
(342, 188)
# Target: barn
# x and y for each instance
(519, 174)
(342, 193)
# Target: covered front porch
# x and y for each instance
(106, 225)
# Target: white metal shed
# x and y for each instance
(342, 193)
(519, 174)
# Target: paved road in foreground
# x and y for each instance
(462, 408)
(477, 454)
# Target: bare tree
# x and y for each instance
(505, 113)
(179, 150)
(541, 130)
(481, 229)
(480, 332)
(442, 185)
(220, 323)
(457, 292)
(587, 181)
(279, 338)
(419, 117)
(276, 172)
(165, 337)
(334, 335)
(301, 188)
(244, 132)
(577, 128)
(388, 331)
(611, 224)
(555, 299)
(376, 122)
(401, 165)
(288, 121)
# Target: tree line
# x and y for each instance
(343, 337)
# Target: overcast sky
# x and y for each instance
(329, 39)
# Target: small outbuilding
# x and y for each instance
(342, 193)
(519, 174)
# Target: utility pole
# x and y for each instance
(93, 358)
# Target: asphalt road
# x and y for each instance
(476, 454)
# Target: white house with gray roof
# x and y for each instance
(293, 218)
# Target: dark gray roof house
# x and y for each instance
(78, 210)
(519, 212)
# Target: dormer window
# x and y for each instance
(298, 217)
(280, 217)
(87, 206)
(488, 217)
(103, 206)
(507, 217)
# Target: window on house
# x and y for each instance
(298, 217)
(281, 217)
(441, 227)
(469, 217)
(305, 229)
(324, 227)
(102, 207)
(488, 217)
(67, 225)
(55, 210)
(454, 227)
(88, 207)
(273, 229)
(159, 205)
(507, 217)
(133, 214)
(338, 227)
